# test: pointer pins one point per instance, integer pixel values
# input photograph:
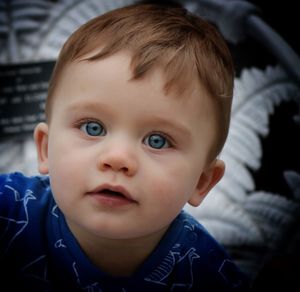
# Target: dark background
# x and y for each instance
(284, 18)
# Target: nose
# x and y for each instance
(118, 159)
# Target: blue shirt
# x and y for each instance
(38, 252)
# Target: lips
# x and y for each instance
(112, 195)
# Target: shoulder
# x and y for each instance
(25, 204)
(16, 188)
(194, 231)
(209, 257)
(20, 181)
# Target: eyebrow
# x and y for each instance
(86, 105)
(176, 127)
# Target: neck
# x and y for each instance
(118, 257)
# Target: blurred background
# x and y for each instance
(254, 211)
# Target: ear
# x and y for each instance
(41, 143)
(208, 179)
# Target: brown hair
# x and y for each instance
(184, 44)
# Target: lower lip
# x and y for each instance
(111, 201)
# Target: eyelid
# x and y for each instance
(80, 122)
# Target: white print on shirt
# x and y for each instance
(39, 264)
(53, 211)
(59, 243)
(89, 288)
(161, 273)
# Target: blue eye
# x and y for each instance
(157, 141)
(93, 129)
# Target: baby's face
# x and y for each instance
(123, 156)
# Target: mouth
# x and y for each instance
(112, 195)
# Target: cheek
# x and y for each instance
(63, 154)
(66, 183)
(172, 185)
(64, 165)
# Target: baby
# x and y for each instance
(137, 113)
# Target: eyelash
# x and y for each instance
(81, 122)
(164, 135)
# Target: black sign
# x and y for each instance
(23, 92)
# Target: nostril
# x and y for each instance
(118, 163)
(106, 166)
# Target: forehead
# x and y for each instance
(113, 76)
(120, 63)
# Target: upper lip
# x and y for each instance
(118, 189)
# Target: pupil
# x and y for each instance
(156, 141)
(93, 129)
